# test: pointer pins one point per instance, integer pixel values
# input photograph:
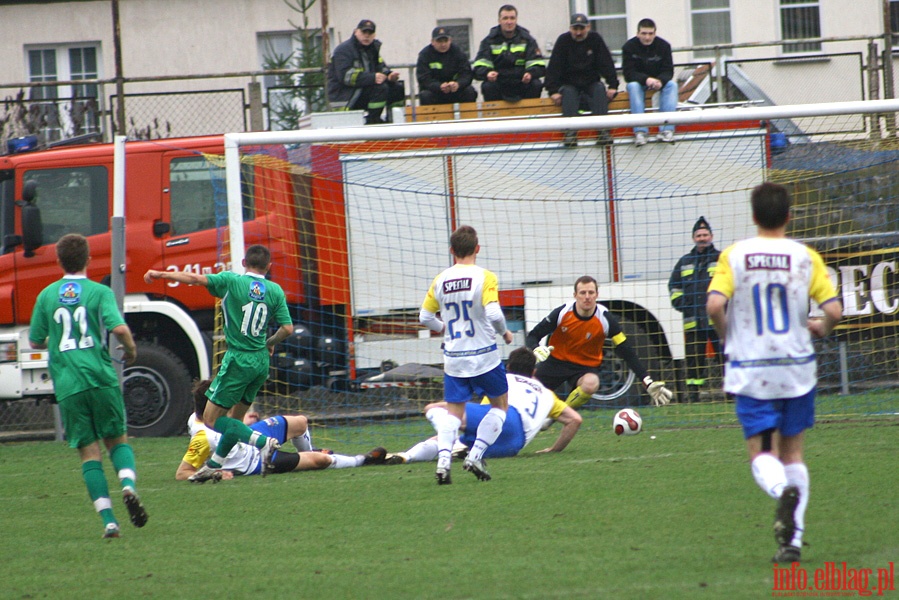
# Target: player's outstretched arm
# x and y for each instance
(178, 276)
(571, 421)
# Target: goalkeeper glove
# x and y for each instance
(542, 352)
(657, 391)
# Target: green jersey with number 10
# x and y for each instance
(249, 303)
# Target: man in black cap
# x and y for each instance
(358, 78)
(509, 61)
(688, 285)
(580, 57)
(443, 71)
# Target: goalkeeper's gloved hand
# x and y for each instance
(542, 352)
(657, 391)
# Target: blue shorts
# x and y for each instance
(274, 427)
(510, 440)
(462, 389)
(790, 416)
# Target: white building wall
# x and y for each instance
(170, 37)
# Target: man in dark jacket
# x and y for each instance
(443, 71)
(579, 58)
(647, 65)
(509, 61)
(359, 79)
(688, 285)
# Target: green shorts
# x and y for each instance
(93, 415)
(239, 379)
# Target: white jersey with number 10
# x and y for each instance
(769, 283)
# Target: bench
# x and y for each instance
(495, 109)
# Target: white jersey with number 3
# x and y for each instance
(769, 283)
(460, 294)
(533, 402)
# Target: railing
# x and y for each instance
(169, 106)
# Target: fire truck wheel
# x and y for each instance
(157, 393)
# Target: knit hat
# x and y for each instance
(702, 224)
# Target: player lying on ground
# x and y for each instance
(530, 403)
(245, 459)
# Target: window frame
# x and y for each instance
(795, 46)
(596, 18)
(694, 12)
(62, 103)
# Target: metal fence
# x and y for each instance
(168, 106)
(182, 114)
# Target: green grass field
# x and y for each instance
(674, 517)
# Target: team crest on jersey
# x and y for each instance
(457, 285)
(589, 335)
(70, 293)
(257, 291)
(767, 262)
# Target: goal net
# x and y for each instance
(366, 213)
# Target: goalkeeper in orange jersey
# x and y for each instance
(577, 331)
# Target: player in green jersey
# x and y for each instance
(249, 303)
(71, 318)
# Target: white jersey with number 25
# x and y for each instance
(460, 294)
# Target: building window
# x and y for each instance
(289, 97)
(711, 24)
(461, 33)
(42, 68)
(609, 19)
(800, 19)
(66, 110)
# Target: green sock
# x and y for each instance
(577, 398)
(122, 457)
(97, 489)
(234, 431)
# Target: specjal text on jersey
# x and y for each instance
(456, 285)
(769, 262)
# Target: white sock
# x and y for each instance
(341, 461)
(422, 451)
(488, 430)
(303, 443)
(447, 427)
(435, 415)
(797, 474)
(769, 474)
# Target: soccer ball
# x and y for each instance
(627, 421)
